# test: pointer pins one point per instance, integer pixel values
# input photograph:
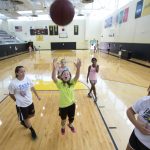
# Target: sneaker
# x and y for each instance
(62, 131)
(72, 128)
(33, 134)
(22, 123)
(89, 95)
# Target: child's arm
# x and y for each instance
(97, 68)
(34, 91)
(12, 96)
(148, 90)
(137, 124)
(78, 65)
(54, 71)
(88, 73)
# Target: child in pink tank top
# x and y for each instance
(92, 76)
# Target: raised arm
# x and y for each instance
(97, 68)
(54, 71)
(78, 65)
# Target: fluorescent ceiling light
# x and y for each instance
(28, 12)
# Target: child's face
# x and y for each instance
(66, 76)
(63, 62)
(94, 61)
(21, 73)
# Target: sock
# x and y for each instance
(70, 124)
(63, 127)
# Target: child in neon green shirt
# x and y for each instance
(67, 100)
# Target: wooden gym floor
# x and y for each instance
(101, 126)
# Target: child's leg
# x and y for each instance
(63, 115)
(92, 86)
(91, 89)
(94, 90)
(71, 114)
(29, 126)
(20, 117)
(27, 113)
(63, 123)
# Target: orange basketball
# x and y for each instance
(62, 12)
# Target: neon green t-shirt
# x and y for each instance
(66, 93)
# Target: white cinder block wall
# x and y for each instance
(132, 31)
(87, 31)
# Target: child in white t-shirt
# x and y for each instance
(140, 137)
(20, 91)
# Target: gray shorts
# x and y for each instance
(93, 81)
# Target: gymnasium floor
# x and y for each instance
(99, 126)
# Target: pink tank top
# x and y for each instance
(93, 73)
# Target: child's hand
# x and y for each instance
(78, 64)
(143, 128)
(38, 98)
(55, 63)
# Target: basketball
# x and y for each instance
(62, 12)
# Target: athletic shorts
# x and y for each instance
(27, 111)
(93, 81)
(67, 111)
(135, 143)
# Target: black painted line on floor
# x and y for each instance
(4, 99)
(138, 63)
(132, 61)
(101, 106)
(17, 54)
(112, 127)
(112, 139)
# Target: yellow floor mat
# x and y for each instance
(50, 85)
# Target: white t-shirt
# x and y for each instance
(22, 91)
(142, 108)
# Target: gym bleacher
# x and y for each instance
(6, 38)
(10, 45)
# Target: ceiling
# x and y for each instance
(34, 8)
